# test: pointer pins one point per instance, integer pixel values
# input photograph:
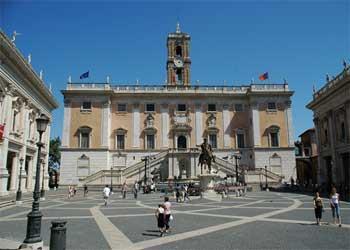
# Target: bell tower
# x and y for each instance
(178, 61)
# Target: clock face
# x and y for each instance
(178, 63)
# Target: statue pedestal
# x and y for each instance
(207, 182)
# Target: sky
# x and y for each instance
(235, 41)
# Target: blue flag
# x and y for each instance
(85, 75)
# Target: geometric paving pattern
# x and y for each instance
(260, 220)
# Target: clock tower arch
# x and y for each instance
(178, 61)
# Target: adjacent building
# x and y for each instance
(117, 129)
(307, 159)
(331, 107)
(23, 96)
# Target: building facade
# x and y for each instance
(331, 107)
(23, 96)
(307, 159)
(114, 130)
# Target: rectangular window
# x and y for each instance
(181, 107)
(121, 107)
(150, 107)
(238, 107)
(306, 151)
(150, 142)
(14, 120)
(271, 106)
(86, 106)
(213, 141)
(342, 128)
(240, 140)
(120, 141)
(84, 140)
(274, 139)
(211, 107)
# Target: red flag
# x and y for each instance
(2, 128)
(264, 76)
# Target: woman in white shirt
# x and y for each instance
(167, 206)
(334, 202)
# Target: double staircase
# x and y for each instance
(137, 170)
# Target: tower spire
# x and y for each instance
(178, 27)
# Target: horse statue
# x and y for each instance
(206, 157)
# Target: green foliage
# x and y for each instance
(55, 153)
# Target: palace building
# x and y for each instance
(127, 132)
(331, 108)
(23, 97)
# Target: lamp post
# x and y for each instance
(145, 159)
(237, 157)
(19, 191)
(42, 192)
(33, 237)
(111, 179)
(266, 187)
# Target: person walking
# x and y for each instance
(85, 190)
(70, 191)
(186, 193)
(106, 193)
(124, 190)
(160, 215)
(318, 206)
(135, 189)
(167, 212)
(334, 202)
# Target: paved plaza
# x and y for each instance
(262, 220)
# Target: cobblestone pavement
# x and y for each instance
(263, 220)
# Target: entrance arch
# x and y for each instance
(181, 142)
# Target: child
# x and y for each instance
(318, 205)
(160, 219)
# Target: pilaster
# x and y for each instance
(289, 122)
(66, 123)
(256, 125)
(198, 123)
(136, 125)
(165, 125)
(226, 125)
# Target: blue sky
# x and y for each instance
(233, 41)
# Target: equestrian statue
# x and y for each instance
(206, 157)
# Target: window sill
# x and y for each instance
(212, 112)
(150, 112)
(85, 111)
(271, 111)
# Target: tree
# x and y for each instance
(55, 153)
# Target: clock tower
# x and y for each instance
(178, 61)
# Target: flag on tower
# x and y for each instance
(264, 76)
(85, 75)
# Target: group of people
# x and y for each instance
(181, 193)
(164, 216)
(334, 204)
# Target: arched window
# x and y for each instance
(84, 137)
(274, 140)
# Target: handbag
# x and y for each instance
(171, 217)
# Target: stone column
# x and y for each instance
(332, 140)
(198, 123)
(30, 175)
(289, 122)
(46, 165)
(14, 173)
(66, 123)
(136, 126)
(6, 116)
(105, 124)
(256, 125)
(226, 126)
(165, 125)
